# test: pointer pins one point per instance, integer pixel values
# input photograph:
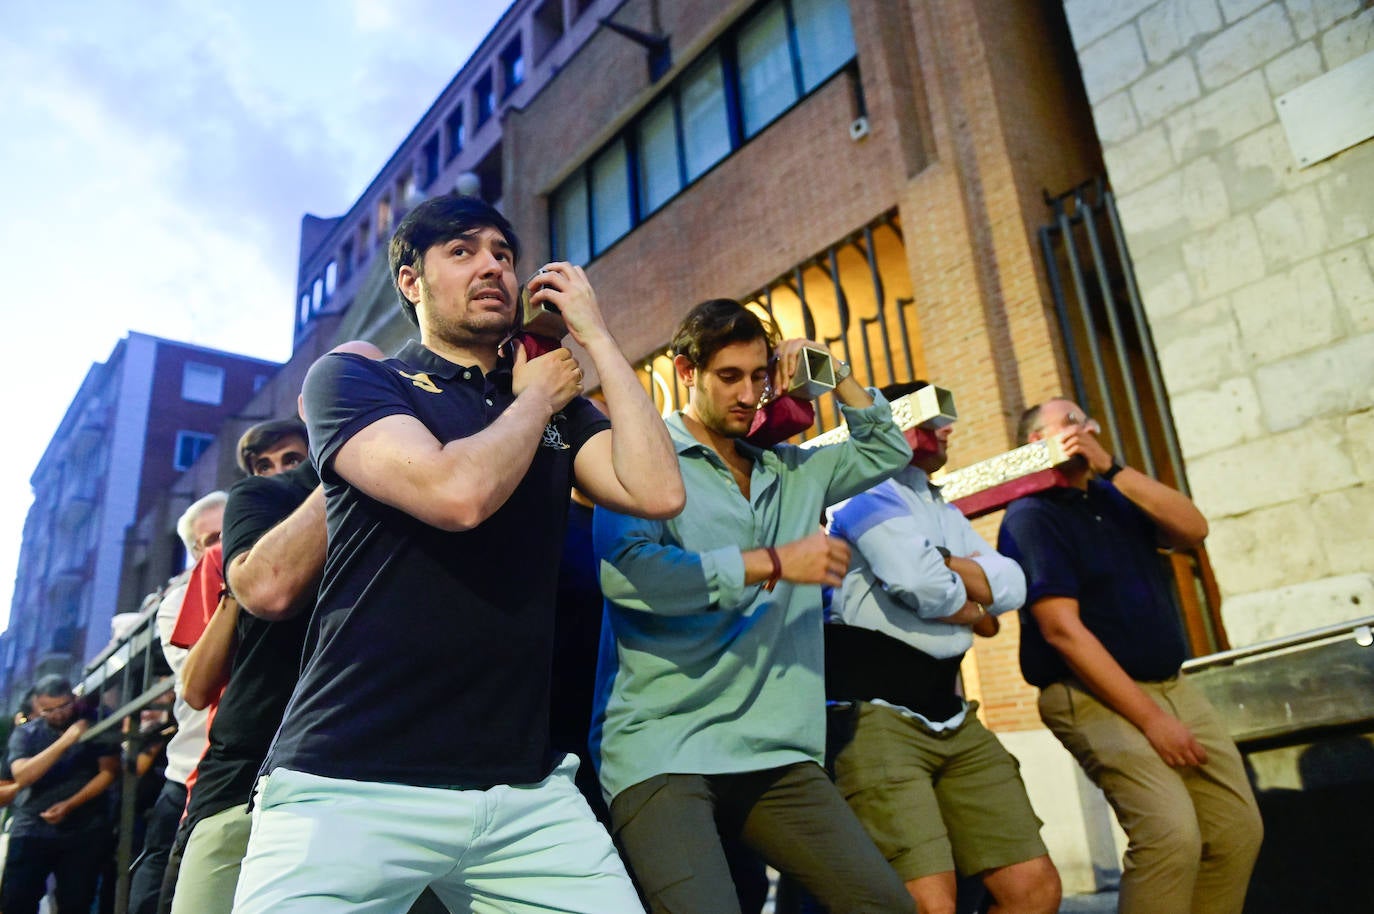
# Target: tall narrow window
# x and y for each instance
(202, 383)
(456, 132)
(189, 446)
(705, 121)
(486, 98)
(767, 86)
(512, 67)
(570, 239)
(610, 196)
(331, 279)
(825, 38)
(660, 173)
(430, 154)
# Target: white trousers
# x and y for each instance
(326, 845)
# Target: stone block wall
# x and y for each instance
(1258, 280)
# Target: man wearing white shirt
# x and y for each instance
(935, 789)
(199, 528)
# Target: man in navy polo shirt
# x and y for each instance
(415, 748)
(59, 825)
(1102, 640)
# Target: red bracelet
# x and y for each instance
(777, 569)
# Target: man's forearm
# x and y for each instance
(207, 665)
(975, 579)
(28, 770)
(1178, 519)
(851, 393)
(1097, 669)
(92, 788)
(278, 575)
(642, 454)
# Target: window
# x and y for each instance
(571, 241)
(765, 69)
(346, 260)
(825, 38)
(548, 28)
(331, 279)
(512, 67)
(705, 121)
(190, 445)
(364, 241)
(430, 153)
(456, 133)
(202, 383)
(383, 218)
(486, 99)
(305, 310)
(316, 294)
(610, 197)
(754, 74)
(660, 171)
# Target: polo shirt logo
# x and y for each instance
(553, 439)
(421, 380)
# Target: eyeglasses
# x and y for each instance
(44, 712)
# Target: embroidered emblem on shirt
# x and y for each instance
(552, 437)
(421, 380)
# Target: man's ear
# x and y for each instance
(686, 371)
(408, 280)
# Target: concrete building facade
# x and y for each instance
(139, 419)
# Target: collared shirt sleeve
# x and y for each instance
(874, 451)
(343, 394)
(1005, 577)
(906, 564)
(641, 570)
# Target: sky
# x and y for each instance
(156, 157)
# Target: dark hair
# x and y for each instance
(52, 686)
(1029, 422)
(717, 323)
(265, 436)
(893, 391)
(435, 221)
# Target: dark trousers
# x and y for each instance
(669, 828)
(146, 882)
(74, 860)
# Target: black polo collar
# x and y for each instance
(417, 355)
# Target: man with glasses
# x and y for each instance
(1102, 640)
(60, 828)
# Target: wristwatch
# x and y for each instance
(842, 369)
(1112, 470)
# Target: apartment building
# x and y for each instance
(138, 421)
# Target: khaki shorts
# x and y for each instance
(934, 802)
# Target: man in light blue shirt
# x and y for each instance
(710, 699)
(936, 790)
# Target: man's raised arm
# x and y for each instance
(453, 485)
(632, 468)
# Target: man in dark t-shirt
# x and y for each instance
(1102, 639)
(266, 661)
(415, 749)
(59, 824)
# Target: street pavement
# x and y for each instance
(1099, 903)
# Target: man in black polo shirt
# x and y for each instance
(273, 544)
(59, 824)
(1102, 639)
(415, 749)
